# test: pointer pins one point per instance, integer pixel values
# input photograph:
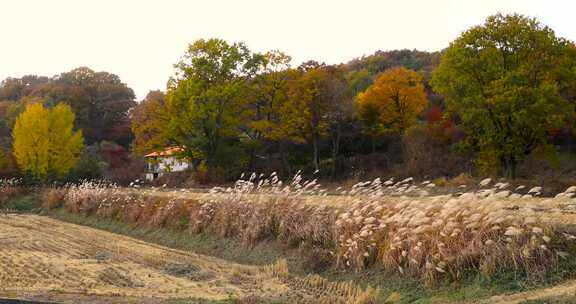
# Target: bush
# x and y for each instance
(89, 167)
(427, 156)
(128, 172)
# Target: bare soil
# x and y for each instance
(43, 259)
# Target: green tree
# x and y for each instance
(207, 97)
(44, 141)
(504, 80)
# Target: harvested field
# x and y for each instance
(47, 260)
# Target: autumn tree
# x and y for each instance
(44, 141)
(392, 103)
(340, 114)
(268, 94)
(319, 102)
(16, 88)
(149, 123)
(504, 80)
(207, 97)
(100, 100)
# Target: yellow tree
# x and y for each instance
(392, 103)
(65, 143)
(44, 140)
(304, 115)
(31, 141)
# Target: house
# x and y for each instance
(166, 161)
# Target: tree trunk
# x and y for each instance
(287, 170)
(509, 167)
(315, 144)
(335, 150)
(251, 160)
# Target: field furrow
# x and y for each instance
(42, 257)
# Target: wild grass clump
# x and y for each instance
(9, 187)
(53, 198)
(397, 226)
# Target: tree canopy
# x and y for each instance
(100, 100)
(149, 123)
(45, 142)
(393, 102)
(504, 79)
(207, 96)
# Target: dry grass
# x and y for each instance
(53, 198)
(329, 292)
(430, 237)
(45, 257)
(9, 188)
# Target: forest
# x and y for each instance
(498, 101)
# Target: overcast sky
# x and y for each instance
(140, 40)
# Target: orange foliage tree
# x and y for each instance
(392, 103)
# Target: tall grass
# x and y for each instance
(9, 187)
(397, 226)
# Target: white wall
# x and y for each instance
(166, 164)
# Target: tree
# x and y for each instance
(319, 102)
(359, 81)
(65, 144)
(149, 122)
(340, 109)
(392, 103)
(100, 100)
(44, 141)
(304, 115)
(269, 89)
(207, 97)
(16, 88)
(269, 92)
(503, 79)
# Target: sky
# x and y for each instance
(140, 40)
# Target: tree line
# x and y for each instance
(502, 92)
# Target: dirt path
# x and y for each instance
(45, 259)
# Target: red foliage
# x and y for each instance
(115, 155)
(440, 128)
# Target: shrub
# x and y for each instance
(428, 156)
(127, 172)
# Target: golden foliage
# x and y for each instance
(149, 123)
(393, 102)
(44, 140)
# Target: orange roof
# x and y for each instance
(167, 152)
